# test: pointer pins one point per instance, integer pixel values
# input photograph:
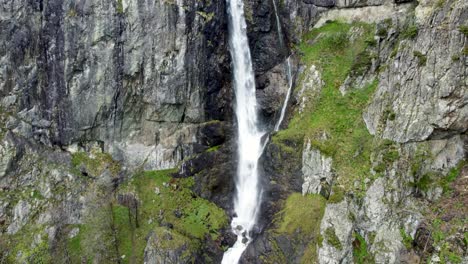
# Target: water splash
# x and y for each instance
(248, 197)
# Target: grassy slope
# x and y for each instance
(337, 116)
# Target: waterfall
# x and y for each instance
(247, 198)
(288, 69)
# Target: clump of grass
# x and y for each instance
(292, 216)
(337, 195)
(410, 32)
(407, 239)
(361, 63)
(463, 29)
(422, 59)
(332, 239)
(360, 252)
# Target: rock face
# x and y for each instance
(316, 170)
(93, 94)
(427, 67)
(127, 73)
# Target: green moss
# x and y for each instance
(410, 31)
(382, 32)
(361, 63)
(330, 113)
(290, 224)
(394, 51)
(424, 182)
(311, 208)
(422, 59)
(337, 194)
(360, 252)
(332, 239)
(440, 3)
(96, 162)
(160, 196)
(213, 149)
(119, 8)
(23, 248)
(207, 16)
(451, 176)
(407, 239)
(463, 29)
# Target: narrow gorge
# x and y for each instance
(234, 131)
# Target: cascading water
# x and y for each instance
(247, 199)
(288, 69)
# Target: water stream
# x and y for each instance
(247, 198)
(288, 69)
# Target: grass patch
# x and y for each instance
(332, 239)
(464, 30)
(360, 252)
(312, 208)
(339, 117)
(166, 201)
(451, 176)
(301, 223)
(422, 59)
(410, 32)
(95, 163)
(407, 239)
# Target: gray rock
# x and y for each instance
(336, 217)
(428, 97)
(21, 215)
(316, 170)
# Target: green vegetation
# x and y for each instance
(28, 246)
(119, 8)
(301, 223)
(154, 201)
(332, 239)
(464, 29)
(361, 63)
(360, 253)
(451, 176)
(95, 163)
(337, 194)
(207, 16)
(410, 31)
(332, 114)
(407, 239)
(292, 216)
(191, 218)
(422, 59)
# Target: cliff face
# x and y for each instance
(370, 167)
(140, 76)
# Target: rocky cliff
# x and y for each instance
(116, 140)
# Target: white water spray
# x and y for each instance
(288, 70)
(247, 199)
